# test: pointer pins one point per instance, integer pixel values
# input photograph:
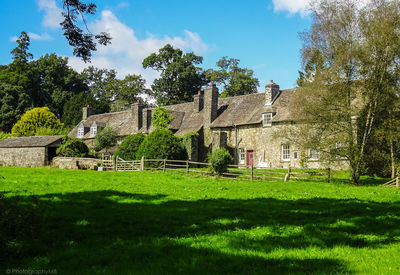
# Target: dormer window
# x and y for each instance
(93, 130)
(267, 119)
(81, 131)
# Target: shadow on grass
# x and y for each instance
(108, 231)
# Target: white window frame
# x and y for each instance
(81, 132)
(313, 154)
(242, 156)
(285, 152)
(267, 119)
(93, 130)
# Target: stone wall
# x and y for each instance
(23, 157)
(75, 163)
(267, 147)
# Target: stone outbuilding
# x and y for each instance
(32, 151)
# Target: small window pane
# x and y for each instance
(267, 119)
(285, 152)
(241, 155)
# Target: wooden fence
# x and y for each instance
(234, 171)
(393, 183)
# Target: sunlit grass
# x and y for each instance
(155, 223)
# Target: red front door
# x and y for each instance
(250, 158)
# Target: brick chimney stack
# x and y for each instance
(137, 116)
(271, 92)
(198, 102)
(87, 112)
(210, 105)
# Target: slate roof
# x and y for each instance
(238, 110)
(248, 109)
(35, 141)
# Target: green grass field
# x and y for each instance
(88, 222)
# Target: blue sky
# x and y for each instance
(263, 34)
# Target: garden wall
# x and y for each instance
(75, 163)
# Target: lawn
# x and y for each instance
(88, 222)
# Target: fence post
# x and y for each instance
(163, 169)
(329, 175)
(142, 164)
(187, 167)
(115, 164)
(252, 172)
(397, 182)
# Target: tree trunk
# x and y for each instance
(392, 157)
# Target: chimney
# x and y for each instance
(87, 112)
(198, 102)
(210, 105)
(137, 116)
(147, 119)
(271, 91)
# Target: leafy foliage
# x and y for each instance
(72, 147)
(161, 144)
(4, 135)
(105, 139)
(129, 146)
(187, 142)
(351, 56)
(161, 118)
(82, 42)
(220, 159)
(236, 80)
(33, 122)
(180, 78)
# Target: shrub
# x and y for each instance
(37, 121)
(4, 135)
(128, 148)
(105, 139)
(220, 160)
(72, 147)
(161, 118)
(161, 144)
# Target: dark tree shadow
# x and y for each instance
(109, 231)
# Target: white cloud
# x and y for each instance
(301, 6)
(52, 14)
(292, 6)
(44, 36)
(33, 36)
(127, 51)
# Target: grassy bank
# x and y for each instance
(85, 222)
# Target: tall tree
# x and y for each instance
(15, 85)
(235, 80)
(349, 75)
(179, 80)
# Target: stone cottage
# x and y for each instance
(243, 124)
(28, 151)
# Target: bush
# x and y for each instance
(161, 144)
(128, 148)
(37, 121)
(72, 147)
(220, 160)
(187, 142)
(4, 135)
(105, 139)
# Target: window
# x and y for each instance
(81, 132)
(241, 156)
(295, 155)
(267, 119)
(285, 152)
(313, 154)
(340, 150)
(93, 130)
